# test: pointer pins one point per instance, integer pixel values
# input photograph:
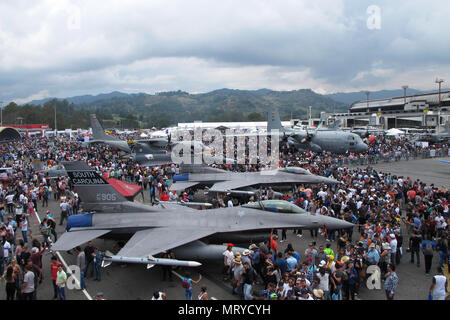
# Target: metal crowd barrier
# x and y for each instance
(393, 156)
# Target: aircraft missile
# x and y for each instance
(149, 261)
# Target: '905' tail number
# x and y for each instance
(106, 197)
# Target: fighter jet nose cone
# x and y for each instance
(364, 147)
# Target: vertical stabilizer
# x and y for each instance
(97, 130)
(273, 120)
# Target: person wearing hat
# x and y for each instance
(318, 294)
(238, 270)
(393, 245)
(372, 256)
(255, 257)
(246, 256)
(324, 279)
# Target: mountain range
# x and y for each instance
(169, 108)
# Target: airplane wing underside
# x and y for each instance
(229, 185)
(70, 240)
(152, 241)
(182, 185)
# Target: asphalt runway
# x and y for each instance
(136, 282)
(427, 170)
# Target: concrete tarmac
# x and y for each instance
(136, 282)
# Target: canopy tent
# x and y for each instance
(128, 190)
(9, 134)
(394, 132)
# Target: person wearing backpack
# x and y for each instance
(186, 283)
(428, 247)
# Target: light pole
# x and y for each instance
(1, 113)
(56, 130)
(404, 93)
(439, 81)
(367, 100)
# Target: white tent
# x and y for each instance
(394, 132)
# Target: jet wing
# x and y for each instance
(70, 240)
(152, 241)
(182, 185)
(230, 185)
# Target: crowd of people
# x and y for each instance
(381, 204)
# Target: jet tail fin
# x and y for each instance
(97, 130)
(335, 125)
(273, 120)
(92, 189)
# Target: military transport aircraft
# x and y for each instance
(334, 140)
(439, 137)
(154, 229)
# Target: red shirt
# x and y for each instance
(273, 244)
(54, 269)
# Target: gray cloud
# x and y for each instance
(76, 47)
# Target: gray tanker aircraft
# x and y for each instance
(154, 229)
(333, 140)
(439, 137)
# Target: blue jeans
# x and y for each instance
(82, 281)
(2, 264)
(24, 235)
(331, 235)
(62, 293)
(248, 292)
(98, 271)
(442, 256)
(416, 252)
(188, 293)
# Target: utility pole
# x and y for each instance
(56, 130)
(367, 100)
(310, 116)
(439, 81)
(404, 92)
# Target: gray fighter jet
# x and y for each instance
(335, 141)
(154, 229)
(242, 183)
(148, 152)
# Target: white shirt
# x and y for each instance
(6, 248)
(393, 245)
(229, 255)
(230, 203)
(439, 221)
(24, 225)
(439, 288)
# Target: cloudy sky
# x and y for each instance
(65, 48)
